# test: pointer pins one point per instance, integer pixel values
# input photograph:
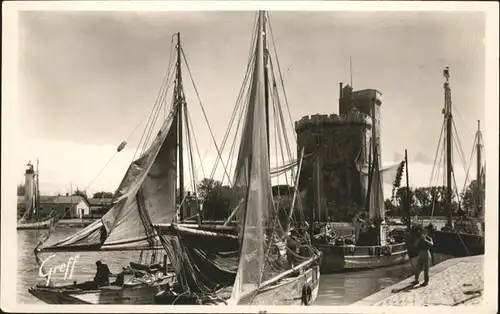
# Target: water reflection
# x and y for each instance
(28, 269)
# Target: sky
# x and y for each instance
(88, 79)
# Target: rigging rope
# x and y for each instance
(235, 110)
(470, 164)
(463, 121)
(163, 89)
(459, 145)
(281, 122)
(281, 75)
(436, 155)
(237, 105)
(203, 111)
(436, 180)
(244, 107)
(196, 146)
(190, 151)
(156, 115)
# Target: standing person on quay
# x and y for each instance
(423, 245)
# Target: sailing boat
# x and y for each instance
(146, 193)
(372, 247)
(31, 217)
(450, 240)
(257, 255)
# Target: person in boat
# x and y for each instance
(102, 275)
(298, 242)
(423, 245)
(293, 246)
(304, 232)
(359, 225)
(103, 234)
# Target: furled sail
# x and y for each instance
(261, 228)
(30, 210)
(146, 193)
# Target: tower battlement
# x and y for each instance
(332, 120)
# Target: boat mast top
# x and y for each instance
(449, 141)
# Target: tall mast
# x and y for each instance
(478, 170)
(318, 188)
(372, 159)
(408, 196)
(37, 193)
(449, 141)
(180, 102)
(71, 199)
(262, 16)
(370, 168)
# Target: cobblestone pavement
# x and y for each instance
(460, 284)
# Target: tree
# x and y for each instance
(102, 194)
(426, 199)
(206, 187)
(20, 189)
(402, 201)
(216, 199)
(80, 193)
(390, 209)
(469, 197)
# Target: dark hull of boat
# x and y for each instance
(141, 294)
(453, 244)
(297, 289)
(351, 258)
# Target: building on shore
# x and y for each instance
(66, 207)
(338, 143)
(61, 206)
(99, 206)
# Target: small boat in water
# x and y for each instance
(45, 224)
(31, 217)
(251, 263)
(138, 286)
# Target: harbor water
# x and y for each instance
(335, 289)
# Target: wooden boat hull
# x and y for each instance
(350, 258)
(35, 225)
(290, 290)
(138, 294)
(453, 244)
(297, 289)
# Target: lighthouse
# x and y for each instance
(29, 187)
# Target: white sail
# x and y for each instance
(262, 230)
(385, 175)
(146, 193)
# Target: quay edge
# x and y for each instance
(454, 282)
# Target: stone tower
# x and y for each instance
(340, 141)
